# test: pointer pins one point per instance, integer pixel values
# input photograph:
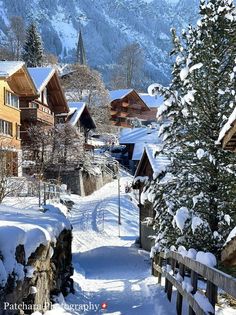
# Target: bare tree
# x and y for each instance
(49, 59)
(16, 36)
(128, 72)
(58, 145)
(84, 84)
(9, 165)
(67, 145)
(39, 147)
(5, 53)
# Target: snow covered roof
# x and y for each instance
(76, 110)
(158, 162)
(21, 83)
(152, 101)
(41, 76)
(79, 110)
(228, 125)
(7, 68)
(138, 151)
(135, 135)
(118, 94)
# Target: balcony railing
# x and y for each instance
(36, 114)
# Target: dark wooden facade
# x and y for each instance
(229, 140)
(41, 109)
(125, 109)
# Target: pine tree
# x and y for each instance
(33, 48)
(195, 205)
(80, 55)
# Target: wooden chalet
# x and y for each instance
(135, 140)
(80, 117)
(126, 106)
(227, 139)
(49, 101)
(151, 165)
(15, 82)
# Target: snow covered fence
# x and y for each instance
(183, 273)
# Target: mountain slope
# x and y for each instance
(107, 25)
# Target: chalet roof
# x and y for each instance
(7, 68)
(137, 135)
(77, 110)
(41, 76)
(227, 136)
(47, 76)
(119, 94)
(152, 101)
(228, 254)
(18, 77)
(158, 162)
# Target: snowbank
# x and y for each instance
(30, 228)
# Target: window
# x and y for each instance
(11, 99)
(17, 131)
(5, 127)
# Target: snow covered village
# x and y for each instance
(118, 157)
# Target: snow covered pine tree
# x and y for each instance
(33, 48)
(195, 201)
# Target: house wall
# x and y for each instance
(146, 239)
(12, 143)
(10, 114)
(129, 107)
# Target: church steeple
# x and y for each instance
(80, 54)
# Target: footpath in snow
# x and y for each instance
(109, 269)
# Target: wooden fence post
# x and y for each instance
(170, 286)
(194, 280)
(160, 260)
(211, 293)
(179, 301)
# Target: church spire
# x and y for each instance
(80, 55)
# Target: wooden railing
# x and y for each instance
(175, 268)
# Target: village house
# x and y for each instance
(78, 116)
(227, 139)
(42, 108)
(128, 108)
(152, 165)
(135, 140)
(15, 82)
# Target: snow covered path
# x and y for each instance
(109, 269)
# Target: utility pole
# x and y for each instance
(119, 208)
(119, 214)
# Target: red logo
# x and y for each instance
(104, 306)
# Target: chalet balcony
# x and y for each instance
(121, 124)
(36, 115)
(122, 114)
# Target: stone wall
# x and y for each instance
(47, 273)
(80, 182)
(146, 232)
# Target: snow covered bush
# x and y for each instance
(199, 192)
